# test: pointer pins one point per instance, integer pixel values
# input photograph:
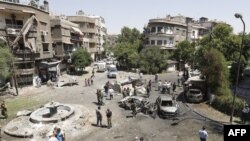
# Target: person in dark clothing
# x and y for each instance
(4, 110)
(133, 108)
(93, 73)
(156, 77)
(109, 115)
(92, 81)
(149, 84)
(174, 87)
(148, 90)
(98, 94)
(99, 117)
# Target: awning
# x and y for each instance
(77, 30)
(51, 63)
(67, 42)
(27, 11)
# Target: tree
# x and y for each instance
(152, 60)
(214, 67)
(129, 35)
(184, 52)
(81, 58)
(126, 54)
(6, 59)
(126, 49)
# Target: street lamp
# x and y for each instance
(237, 15)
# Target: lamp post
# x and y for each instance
(237, 15)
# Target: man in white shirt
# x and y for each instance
(52, 136)
(203, 134)
(159, 85)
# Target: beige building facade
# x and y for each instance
(169, 31)
(26, 28)
(94, 30)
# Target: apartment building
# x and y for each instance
(169, 31)
(94, 30)
(66, 37)
(26, 28)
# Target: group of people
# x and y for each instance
(99, 117)
(166, 86)
(57, 135)
(126, 92)
(89, 81)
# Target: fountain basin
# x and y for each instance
(52, 113)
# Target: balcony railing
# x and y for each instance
(26, 51)
(14, 26)
(25, 71)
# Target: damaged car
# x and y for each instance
(127, 102)
(167, 107)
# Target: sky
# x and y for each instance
(136, 13)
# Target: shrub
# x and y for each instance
(224, 104)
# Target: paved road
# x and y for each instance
(124, 127)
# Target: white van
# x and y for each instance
(100, 66)
(112, 72)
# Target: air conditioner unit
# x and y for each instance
(11, 31)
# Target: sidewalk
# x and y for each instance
(211, 113)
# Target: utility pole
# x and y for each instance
(12, 63)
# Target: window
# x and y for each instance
(165, 42)
(183, 32)
(159, 42)
(152, 42)
(160, 29)
(153, 30)
(45, 47)
(193, 33)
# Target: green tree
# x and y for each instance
(81, 58)
(152, 60)
(126, 54)
(184, 52)
(214, 67)
(126, 49)
(6, 59)
(129, 35)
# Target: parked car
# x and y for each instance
(194, 95)
(127, 102)
(167, 107)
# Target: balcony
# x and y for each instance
(92, 40)
(25, 71)
(14, 26)
(92, 50)
(26, 51)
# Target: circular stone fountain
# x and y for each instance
(41, 121)
(52, 112)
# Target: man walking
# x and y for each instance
(98, 116)
(109, 115)
(203, 134)
(174, 87)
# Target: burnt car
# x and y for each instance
(129, 100)
(194, 95)
(166, 106)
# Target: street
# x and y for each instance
(185, 127)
